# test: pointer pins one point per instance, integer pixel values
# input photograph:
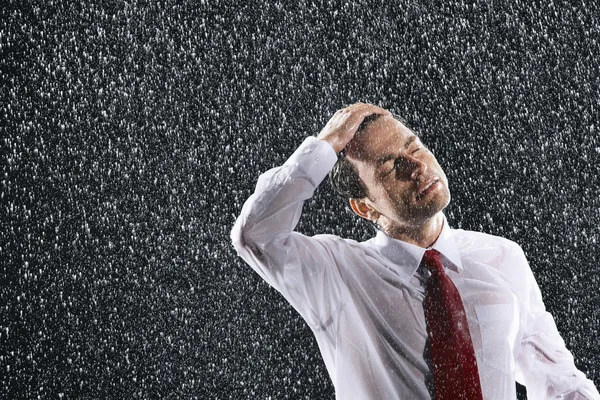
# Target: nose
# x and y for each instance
(417, 169)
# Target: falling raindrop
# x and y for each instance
(133, 132)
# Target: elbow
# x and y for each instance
(238, 234)
(247, 245)
(256, 239)
(243, 235)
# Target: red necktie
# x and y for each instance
(454, 367)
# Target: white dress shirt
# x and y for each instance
(364, 301)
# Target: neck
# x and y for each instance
(422, 234)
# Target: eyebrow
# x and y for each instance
(388, 157)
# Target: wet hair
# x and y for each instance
(344, 176)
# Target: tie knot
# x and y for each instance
(432, 261)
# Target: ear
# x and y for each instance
(362, 208)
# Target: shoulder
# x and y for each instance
(337, 242)
(490, 249)
(484, 239)
(345, 249)
(500, 254)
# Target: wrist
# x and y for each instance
(335, 145)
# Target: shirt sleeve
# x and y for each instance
(544, 365)
(301, 268)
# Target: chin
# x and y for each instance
(442, 198)
(447, 199)
(435, 206)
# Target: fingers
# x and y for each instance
(359, 111)
(340, 129)
(366, 108)
(363, 108)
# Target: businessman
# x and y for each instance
(421, 310)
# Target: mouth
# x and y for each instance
(428, 187)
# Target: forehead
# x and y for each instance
(382, 137)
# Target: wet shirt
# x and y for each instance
(364, 300)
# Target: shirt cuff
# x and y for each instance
(315, 158)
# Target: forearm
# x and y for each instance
(545, 365)
(304, 269)
(273, 211)
(548, 369)
(299, 267)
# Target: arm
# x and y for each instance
(544, 364)
(301, 268)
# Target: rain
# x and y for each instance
(132, 133)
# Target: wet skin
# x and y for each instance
(407, 187)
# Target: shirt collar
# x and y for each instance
(407, 257)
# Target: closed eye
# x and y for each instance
(396, 162)
(392, 168)
(395, 166)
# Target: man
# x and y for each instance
(388, 321)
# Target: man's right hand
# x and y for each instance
(341, 128)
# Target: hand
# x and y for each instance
(341, 128)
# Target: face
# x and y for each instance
(406, 184)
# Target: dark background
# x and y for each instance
(132, 132)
